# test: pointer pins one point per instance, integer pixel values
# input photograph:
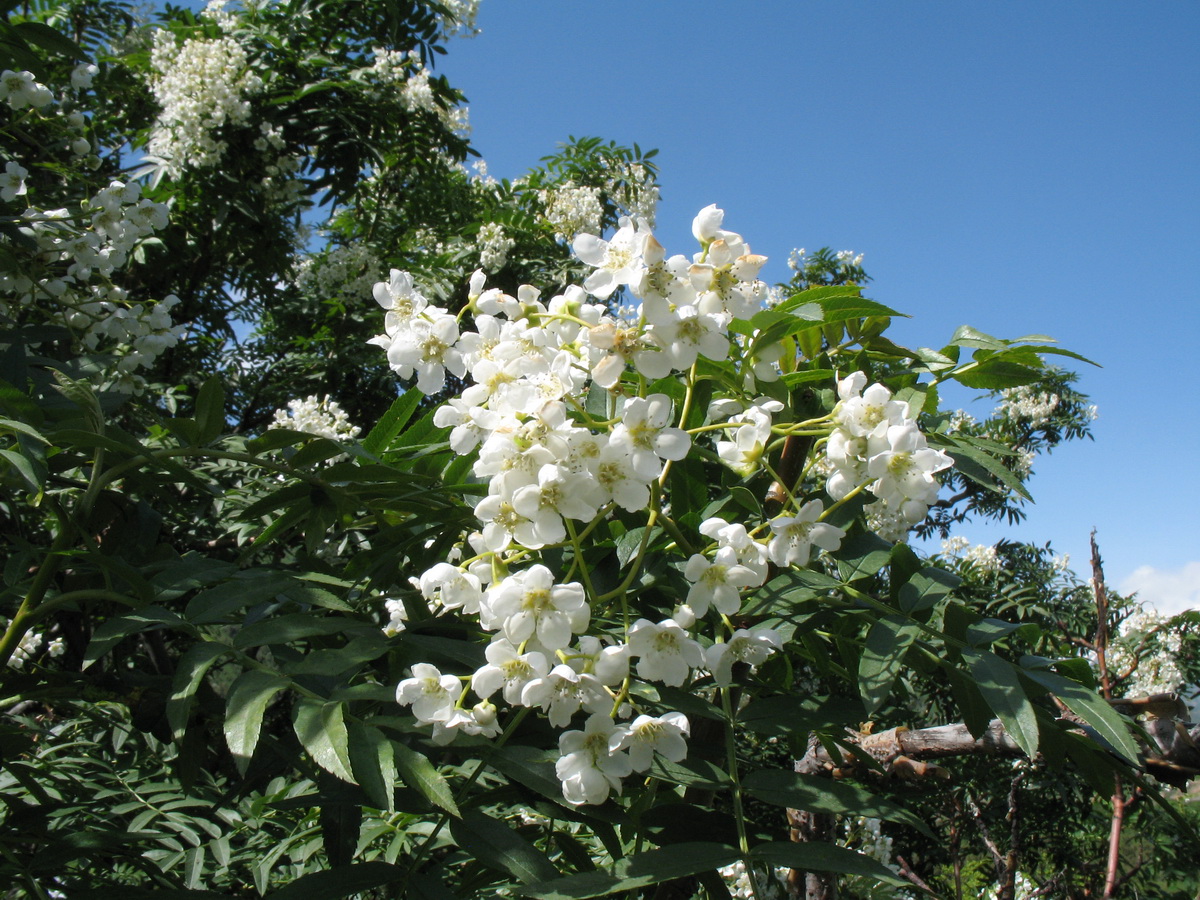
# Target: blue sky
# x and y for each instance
(1021, 167)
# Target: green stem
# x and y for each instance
(584, 574)
(70, 597)
(850, 496)
(739, 812)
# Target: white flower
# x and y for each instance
(617, 262)
(82, 75)
(750, 553)
(397, 616)
(426, 347)
(751, 647)
(717, 583)
(201, 86)
(664, 735)
(666, 653)
(12, 182)
(646, 434)
(508, 669)
(451, 587)
(609, 664)
(905, 472)
(794, 536)
(529, 604)
(562, 692)
(615, 475)
(706, 227)
(21, 89)
(1027, 405)
(591, 764)
(431, 694)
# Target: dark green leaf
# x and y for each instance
(825, 858)
(418, 772)
(640, 870)
(820, 794)
(861, 555)
(496, 845)
(249, 697)
(882, 659)
(374, 764)
(1001, 688)
(112, 632)
(322, 732)
(48, 39)
(340, 882)
(1092, 708)
(392, 422)
(210, 410)
(191, 669)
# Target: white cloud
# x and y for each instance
(1169, 591)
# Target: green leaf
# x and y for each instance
(996, 373)
(193, 665)
(20, 427)
(210, 410)
(48, 39)
(793, 716)
(926, 589)
(987, 631)
(25, 468)
(819, 857)
(249, 697)
(128, 892)
(322, 732)
(112, 632)
(392, 422)
(374, 764)
(216, 603)
(966, 336)
(820, 794)
(977, 715)
(418, 772)
(861, 555)
(787, 589)
(292, 627)
(1002, 689)
(978, 465)
(637, 871)
(691, 772)
(496, 845)
(882, 659)
(1092, 708)
(340, 882)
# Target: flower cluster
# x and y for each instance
(763, 886)
(319, 416)
(350, 271)
(1149, 653)
(32, 643)
(565, 432)
(572, 209)
(1027, 405)
(493, 246)
(876, 444)
(201, 85)
(979, 556)
(70, 276)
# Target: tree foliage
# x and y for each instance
(228, 524)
